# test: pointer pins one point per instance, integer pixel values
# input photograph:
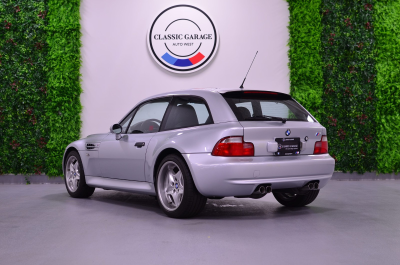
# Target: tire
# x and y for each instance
(75, 177)
(176, 192)
(296, 200)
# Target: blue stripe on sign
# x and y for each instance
(183, 62)
(168, 58)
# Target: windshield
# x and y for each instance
(263, 105)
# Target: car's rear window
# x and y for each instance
(263, 105)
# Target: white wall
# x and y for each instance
(118, 70)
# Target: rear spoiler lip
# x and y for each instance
(254, 91)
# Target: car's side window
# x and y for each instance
(186, 111)
(125, 122)
(149, 116)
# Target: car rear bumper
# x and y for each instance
(239, 176)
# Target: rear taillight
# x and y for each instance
(233, 146)
(321, 147)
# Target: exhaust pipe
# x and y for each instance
(260, 192)
(311, 186)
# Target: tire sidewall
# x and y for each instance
(187, 182)
(82, 181)
(298, 200)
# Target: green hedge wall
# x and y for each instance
(23, 94)
(64, 89)
(349, 70)
(359, 57)
(387, 35)
(306, 77)
(39, 84)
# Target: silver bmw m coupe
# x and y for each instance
(186, 146)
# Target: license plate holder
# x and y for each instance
(288, 146)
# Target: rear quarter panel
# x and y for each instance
(193, 140)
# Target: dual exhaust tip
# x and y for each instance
(260, 191)
(264, 189)
(313, 186)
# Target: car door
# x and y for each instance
(125, 158)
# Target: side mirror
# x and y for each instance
(117, 129)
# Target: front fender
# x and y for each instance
(80, 145)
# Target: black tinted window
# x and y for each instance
(187, 112)
(251, 105)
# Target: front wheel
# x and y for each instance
(176, 191)
(75, 177)
(296, 200)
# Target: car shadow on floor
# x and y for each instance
(230, 208)
(101, 200)
(227, 208)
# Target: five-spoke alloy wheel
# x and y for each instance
(176, 192)
(75, 177)
(170, 185)
(72, 174)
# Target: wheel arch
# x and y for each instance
(67, 151)
(161, 156)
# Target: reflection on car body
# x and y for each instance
(187, 146)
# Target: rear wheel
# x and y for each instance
(176, 191)
(296, 200)
(75, 177)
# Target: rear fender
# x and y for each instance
(199, 139)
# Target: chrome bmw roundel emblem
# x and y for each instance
(287, 133)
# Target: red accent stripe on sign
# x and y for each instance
(197, 58)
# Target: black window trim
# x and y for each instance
(130, 120)
(162, 126)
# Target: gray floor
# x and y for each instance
(351, 222)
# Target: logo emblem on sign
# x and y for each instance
(183, 39)
(287, 133)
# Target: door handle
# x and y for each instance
(139, 144)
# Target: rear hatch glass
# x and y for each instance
(271, 117)
(263, 105)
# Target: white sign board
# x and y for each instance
(183, 39)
